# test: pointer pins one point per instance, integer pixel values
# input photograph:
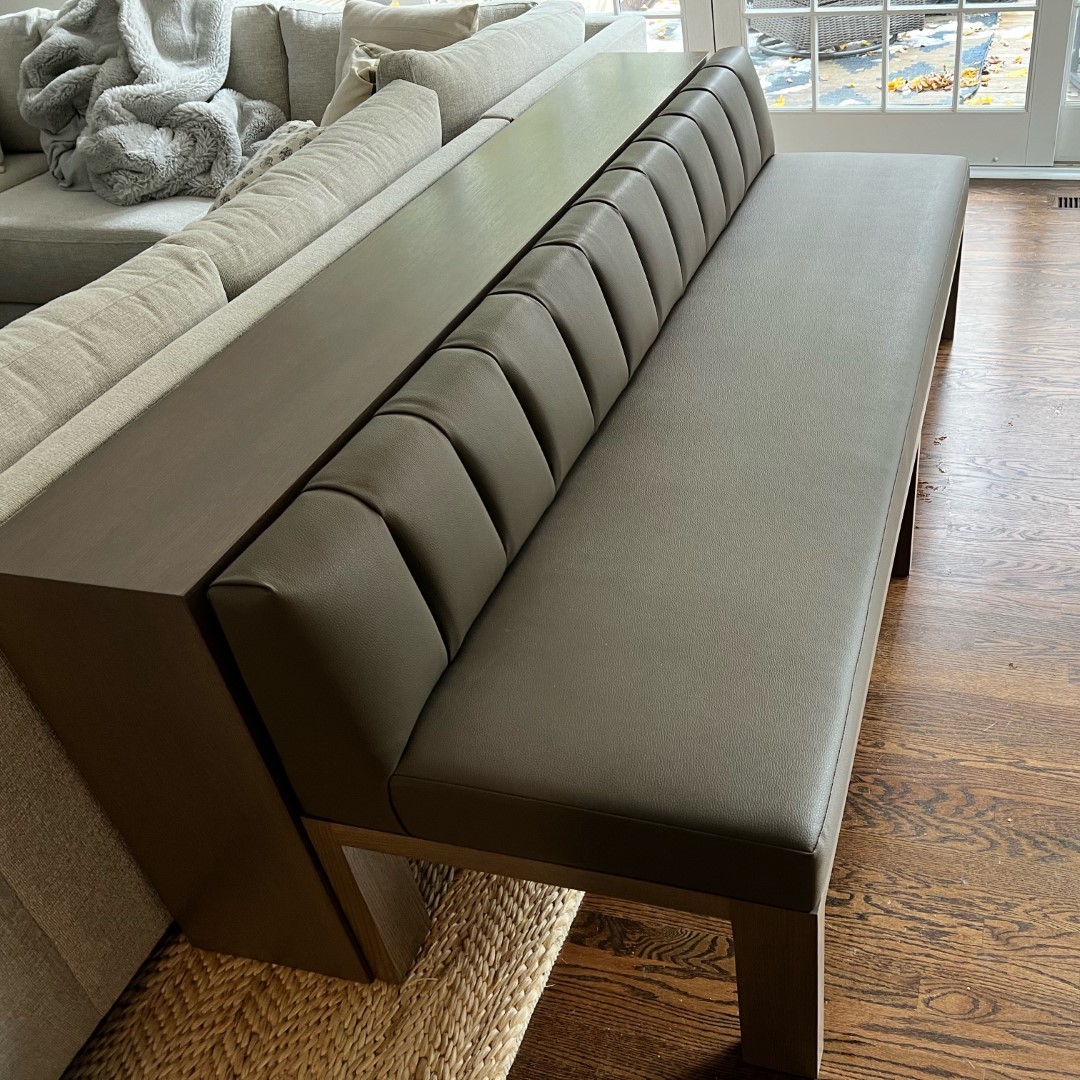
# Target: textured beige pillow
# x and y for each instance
(493, 11)
(299, 199)
(359, 81)
(275, 148)
(425, 27)
(479, 72)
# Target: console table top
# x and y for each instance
(166, 501)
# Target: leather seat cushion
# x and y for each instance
(668, 682)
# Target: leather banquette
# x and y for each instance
(600, 585)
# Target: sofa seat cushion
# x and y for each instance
(10, 312)
(56, 360)
(18, 168)
(53, 241)
(299, 199)
(473, 75)
(668, 682)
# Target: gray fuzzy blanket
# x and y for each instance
(127, 94)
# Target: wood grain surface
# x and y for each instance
(953, 924)
(167, 500)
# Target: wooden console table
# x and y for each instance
(102, 578)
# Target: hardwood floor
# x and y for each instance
(953, 922)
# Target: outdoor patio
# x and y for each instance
(995, 53)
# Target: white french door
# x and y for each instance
(1068, 141)
(981, 79)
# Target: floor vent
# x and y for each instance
(1068, 202)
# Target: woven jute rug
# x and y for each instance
(460, 1015)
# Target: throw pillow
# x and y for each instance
(359, 81)
(473, 75)
(422, 26)
(311, 37)
(497, 11)
(275, 148)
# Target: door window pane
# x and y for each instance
(1003, 78)
(664, 34)
(975, 56)
(850, 60)
(922, 63)
(775, 49)
(1073, 93)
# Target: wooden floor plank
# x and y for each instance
(953, 928)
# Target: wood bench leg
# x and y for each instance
(380, 898)
(906, 540)
(780, 970)
(949, 326)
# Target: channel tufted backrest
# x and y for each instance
(345, 612)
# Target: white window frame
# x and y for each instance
(985, 134)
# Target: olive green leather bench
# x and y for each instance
(593, 598)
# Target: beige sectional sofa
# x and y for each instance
(53, 241)
(123, 318)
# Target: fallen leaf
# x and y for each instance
(780, 102)
(942, 80)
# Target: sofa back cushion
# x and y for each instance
(474, 74)
(299, 199)
(258, 64)
(413, 26)
(57, 359)
(623, 33)
(20, 33)
(346, 611)
(311, 37)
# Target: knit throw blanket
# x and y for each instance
(127, 94)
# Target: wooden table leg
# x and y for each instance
(380, 898)
(780, 970)
(906, 540)
(949, 327)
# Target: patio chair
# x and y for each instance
(790, 35)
